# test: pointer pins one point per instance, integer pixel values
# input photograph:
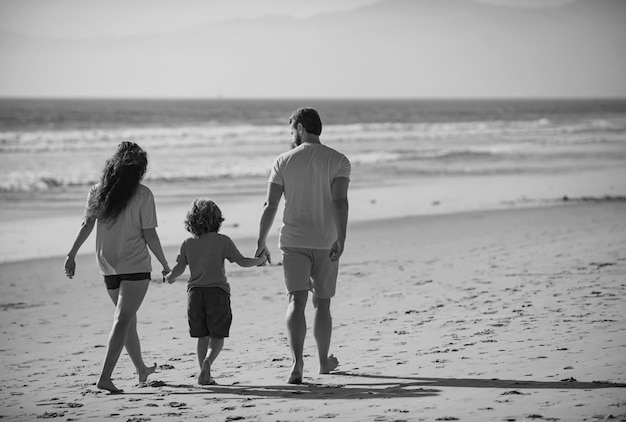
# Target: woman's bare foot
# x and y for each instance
(296, 374)
(108, 385)
(205, 374)
(330, 365)
(143, 375)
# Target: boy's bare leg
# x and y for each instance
(322, 330)
(296, 333)
(203, 347)
(129, 299)
(215, 347)
(133, 346)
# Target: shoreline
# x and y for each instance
(43, 228)
(246, 242)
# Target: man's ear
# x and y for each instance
(300, 128)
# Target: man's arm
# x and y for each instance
(339, 190)
(274, 193)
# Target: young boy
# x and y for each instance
(208, 292)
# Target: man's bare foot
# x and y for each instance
(143, 375)
(296, 374)
(330, 365)
(108, 386)
(205, 374)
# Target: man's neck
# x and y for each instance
(311, 140)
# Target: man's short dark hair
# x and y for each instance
(309, 118)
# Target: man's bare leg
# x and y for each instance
(215, 346)
(296, 332)
(322, 330)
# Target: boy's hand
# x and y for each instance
(264, 260)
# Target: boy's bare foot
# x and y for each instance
(143, 375)
(296, 374)
(330, 365)
(108, 386)
(205, 374)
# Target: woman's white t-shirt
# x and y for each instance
(120, 245)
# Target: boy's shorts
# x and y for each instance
(113, 281)
(310, 269)
(208, 312)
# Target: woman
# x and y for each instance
(124, 212)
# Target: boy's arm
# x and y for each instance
(251, 262)
(274, 193)
(176, 272)
(340, 215)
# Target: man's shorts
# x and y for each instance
(208, 312)
(310, 269)
(113, 281)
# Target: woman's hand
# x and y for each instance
(166, 270)
(70, 266)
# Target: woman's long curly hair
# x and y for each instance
(204, 216)
(119, 182)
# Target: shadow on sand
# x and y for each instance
(568, 384)
(376, 387)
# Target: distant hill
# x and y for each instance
(410, 48)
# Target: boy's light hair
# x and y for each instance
(204, 216)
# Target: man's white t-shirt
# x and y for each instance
(306, 174)
(120, 245)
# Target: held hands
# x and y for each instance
(264, 259)
(262, 251)
(70, 267)
(166, 270)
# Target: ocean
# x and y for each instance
(55, 146)
(409, 157)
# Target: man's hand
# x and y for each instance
(261, 251)
(336, 250)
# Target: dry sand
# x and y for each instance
(483, 316)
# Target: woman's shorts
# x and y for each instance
(310, 269)
(208, 312)
(113, 281)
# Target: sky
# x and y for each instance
(83, 18)
(356, 48)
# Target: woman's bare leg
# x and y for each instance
(130, 295)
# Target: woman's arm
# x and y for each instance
(153, 242)
(85, 230)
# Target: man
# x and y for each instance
(314, 179)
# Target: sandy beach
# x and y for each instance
(505, 315)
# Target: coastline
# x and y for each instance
(480, 316)
(45, 226)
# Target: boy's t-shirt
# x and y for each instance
(306, 174)
(205, 257)
(120, 245)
